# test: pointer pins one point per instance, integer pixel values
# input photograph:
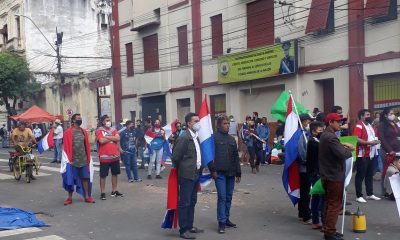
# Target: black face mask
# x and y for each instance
(78, 122)
(319, 135)
(369, 120)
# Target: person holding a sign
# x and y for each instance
(366, 155)
(331, 159)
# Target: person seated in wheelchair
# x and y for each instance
(22, 137)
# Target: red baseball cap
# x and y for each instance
(333, 117)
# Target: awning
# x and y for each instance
(35, 114)
(318, 16)
(377, 8)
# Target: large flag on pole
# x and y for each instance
(206, 135)
(279, 109)
(290, 176)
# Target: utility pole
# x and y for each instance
(60, 77)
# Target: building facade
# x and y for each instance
(169, 54)
(30, 28)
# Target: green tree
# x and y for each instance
(16, 82)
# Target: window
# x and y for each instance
(129, 59)
(183, 108)
(260, 23)
(4, 32)
(150, 52)
(18, 25)
(183, 45)
(381, 10)
(216, 36)
(321, 18)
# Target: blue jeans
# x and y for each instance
(130, 162)
(225, 186)
(317, 204)
(155, 158)
(57, 150)
(187, 202)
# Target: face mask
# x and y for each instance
(369, 120)
(108, 124)
(196, 127)
(78, 122)
(307, 128)
(157, 125)
(391, 117)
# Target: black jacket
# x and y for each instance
(312, 157)
(226, 160)
(184, 156)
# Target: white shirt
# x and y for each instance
(37, 132)
(197, 146)
(58, 132)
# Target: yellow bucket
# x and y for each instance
(359, 222)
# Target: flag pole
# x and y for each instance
(298, 116)
(344, 207)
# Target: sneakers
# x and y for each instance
(116, 194)
(230, 224)
(221, 228)
(68, 201)
(149, 177)
(334, 237)
(158, 177)
(130, 180)
(103, 196)
(373, 197)
(138, 180)
(361, 200)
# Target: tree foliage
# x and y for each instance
(16, 82)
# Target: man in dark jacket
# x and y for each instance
(225, 168)
(186, 157)
(331, 158)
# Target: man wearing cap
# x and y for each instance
(331, 157)
(304, 202)
(58, 135)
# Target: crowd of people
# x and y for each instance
(321, 156)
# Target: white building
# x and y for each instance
(348, 55)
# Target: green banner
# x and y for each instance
(278, 59)
(353, 141)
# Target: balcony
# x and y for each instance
(152, 21)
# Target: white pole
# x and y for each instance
(344, 208)
(298, 116)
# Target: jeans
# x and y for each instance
(155, 158)
(333, 205)
(187, 201)
(317, 204)
(57, 150)
(365, 170)
(304, 202)
(253, 157)
(140, 156)
(130, 162)
(225, 186)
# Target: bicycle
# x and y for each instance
(24, 162)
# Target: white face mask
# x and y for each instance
(108, 124)
(196, 127)
(307, 128)
(391, 117)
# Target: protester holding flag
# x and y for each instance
(304, 202)
(155, 138)
(187, 158)
(225, 168)
(317, 201)
(77, 165)
(331, 157)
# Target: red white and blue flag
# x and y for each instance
(70, 183)
(46, 142)
(290, 176)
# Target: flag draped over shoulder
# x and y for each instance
(171, 215)
(290, 176)
(46, 142)
(279, 108)
(70, 183)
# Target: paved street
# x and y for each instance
(260, 208)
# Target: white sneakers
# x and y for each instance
(361, 200)
(372, 197)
